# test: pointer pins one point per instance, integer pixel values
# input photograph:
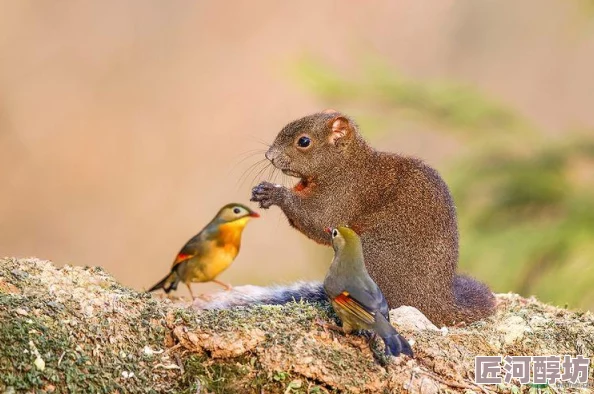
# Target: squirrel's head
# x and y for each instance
(312, 145)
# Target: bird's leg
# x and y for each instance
(371, 338)
(372, 341)
(345, 330)
(225, 285)
(191, 292)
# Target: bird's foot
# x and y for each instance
(204, 297)
(226, 286)
(371, 337)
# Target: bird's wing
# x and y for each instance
(355, 307)
(181, 257)
(191, 249)
(196, 245)
(372, 301)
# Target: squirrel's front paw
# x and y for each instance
(267, 194)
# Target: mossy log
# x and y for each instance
(75, 329)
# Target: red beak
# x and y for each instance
(328, 230)
(254, 215)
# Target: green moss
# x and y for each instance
(295, 314)
(78, 350)
(69, 352)
(239, 375)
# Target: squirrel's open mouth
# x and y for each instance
(304, 183)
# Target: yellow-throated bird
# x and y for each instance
(209, 252)
(356, 298)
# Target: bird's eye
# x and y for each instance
(236, 211)
(335, 233)
(304, 142)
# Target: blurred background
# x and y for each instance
(124, 126)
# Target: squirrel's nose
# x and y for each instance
(271, 154)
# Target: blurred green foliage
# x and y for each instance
(436, 102)
(587, 7)
(525, 199)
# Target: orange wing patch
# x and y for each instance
(182, 257)
(352, 306)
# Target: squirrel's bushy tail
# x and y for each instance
(473, 299)
(256, 295)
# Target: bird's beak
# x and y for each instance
(254, 215)
(328, 230)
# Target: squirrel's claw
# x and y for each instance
(265, 194)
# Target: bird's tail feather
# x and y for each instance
(257, 295)
(168, 283)
(395, 343)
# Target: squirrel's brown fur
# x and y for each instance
(401, 208)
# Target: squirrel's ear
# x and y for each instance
(341, 128)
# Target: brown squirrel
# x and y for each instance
(401, 208)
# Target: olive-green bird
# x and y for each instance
(356, 298)
(209, 252)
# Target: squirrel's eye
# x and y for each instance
(303, 142)
(236, 211)
(334, 234)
